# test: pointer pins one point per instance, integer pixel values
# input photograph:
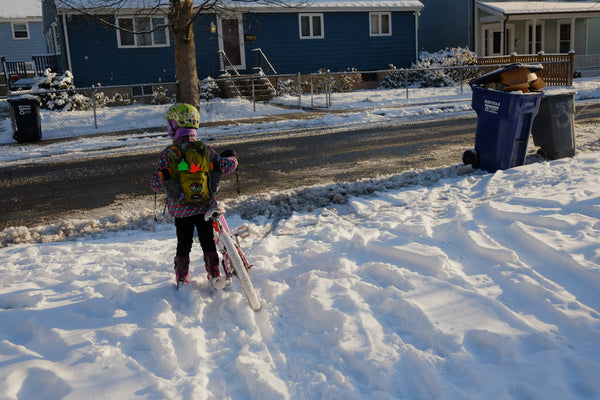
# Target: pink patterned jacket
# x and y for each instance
(176, 210)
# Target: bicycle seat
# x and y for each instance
(214, 212)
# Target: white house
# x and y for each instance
(528, 27)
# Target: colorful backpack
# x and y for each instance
(187, 180)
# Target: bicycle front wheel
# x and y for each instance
(241, 272)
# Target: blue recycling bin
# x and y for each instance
(505, 113)
(504, 121)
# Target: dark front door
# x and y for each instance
(232, 44)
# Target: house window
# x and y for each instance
(380, 24)
(153, 36)
(144, 90)
(55, 40)
(564, 39)
(496, 42)
(20, 30)
(311, 26)
(52, 40)
(534, 48)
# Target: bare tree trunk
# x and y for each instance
(185, 52)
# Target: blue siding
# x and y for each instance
(22, 49)
(346, 43)
(50, 16)
(446, 23)
(96, 58)
(207, 45)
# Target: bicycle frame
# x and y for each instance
(219, 226)
(234, 260)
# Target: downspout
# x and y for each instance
(587, 36)
(477, 30)
(533, 35)
(503, 35)
(572, 36)
(473, 32)
(67, 46)
(416, 14)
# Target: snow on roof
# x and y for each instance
(20, 8)
(312, 4)
(362, 3)
(541, 7)
(335, 5)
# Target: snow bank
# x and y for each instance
(433, 284)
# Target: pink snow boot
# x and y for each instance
(211, 261)
(182, 265)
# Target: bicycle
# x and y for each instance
(234, 262)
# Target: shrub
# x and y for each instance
(209, 89)
(395, 80)
(117, 100)
(287, 86)
(56, 92)
(435, 73)
(452, 57)
(46, 87)
(159, 96)
(347, 82)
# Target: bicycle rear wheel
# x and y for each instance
(241, 272)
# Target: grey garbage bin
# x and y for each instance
(25, 118)
(553, 127)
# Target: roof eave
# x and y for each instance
(273, 9)
(23, 19)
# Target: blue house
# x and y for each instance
(337, 35)
(446, 23)
(21, 33)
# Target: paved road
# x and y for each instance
(40, 194)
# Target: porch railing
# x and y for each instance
(554, 73)
(226, 64)
(262, 62)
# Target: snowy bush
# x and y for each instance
(287, 86)
(209, 89)
(347, 82)
(434, 69)
(400, 79)
(54, 94)
(432, 76)
(116, 100)
(53, 81)
(452, 57)
(321, 81)
(160, 96)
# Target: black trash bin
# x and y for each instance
(553, 127)
(25, 117)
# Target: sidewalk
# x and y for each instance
(276, 119)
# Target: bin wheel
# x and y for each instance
(542, 152)
(471, 157)
(19, 137)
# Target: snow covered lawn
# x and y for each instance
(440, 284)
(446, 283)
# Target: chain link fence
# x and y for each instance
(103, 109)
